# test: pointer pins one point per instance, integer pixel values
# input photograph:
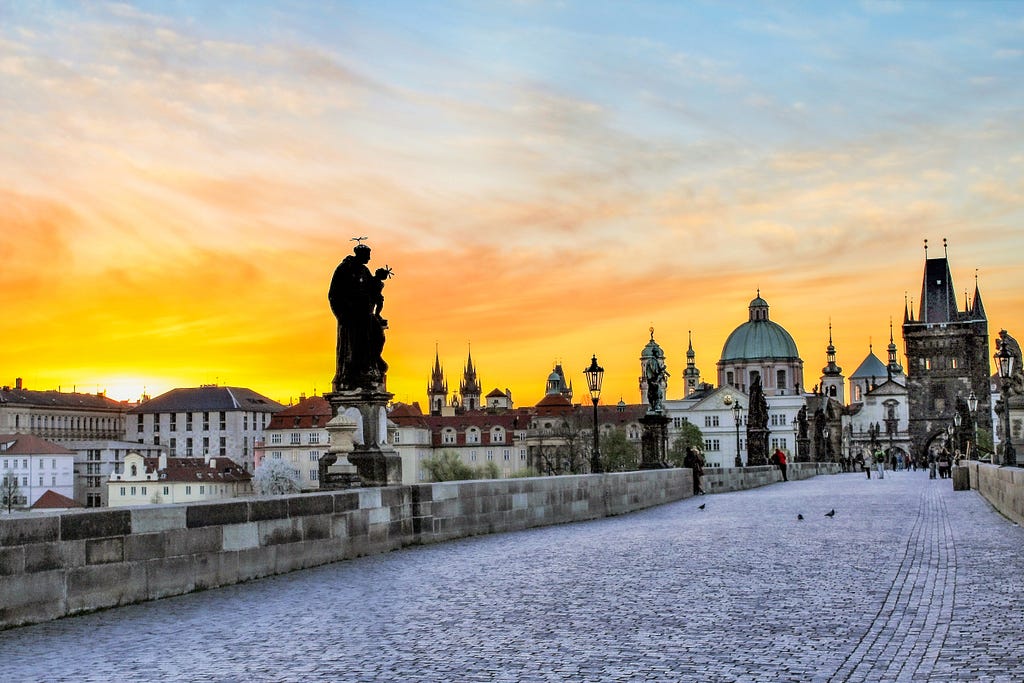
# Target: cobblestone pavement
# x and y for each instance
(909, 581)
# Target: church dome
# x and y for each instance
(759, 337)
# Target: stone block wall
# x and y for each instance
(73, 562)
(1003, 487)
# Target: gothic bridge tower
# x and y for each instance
(947, 356)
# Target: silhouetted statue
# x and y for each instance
(356, 298)
(656, 376)
(757, 425)
(1015, 385)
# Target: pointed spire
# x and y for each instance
(978, 309)
(690, 355)
(906, 310)
(893, 367)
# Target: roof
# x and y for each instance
(406, 410)
(310, 412)
(218, 469)
(497, 393)
(759, 338)
(870, 367)
(208, 398)
(29, 444)
(51, 500)
(59, 399)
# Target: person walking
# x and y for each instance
(863, 465)
(931, 464)
(880, 463)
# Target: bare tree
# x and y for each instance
(10, 493)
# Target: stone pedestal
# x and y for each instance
(375, 462)
(654, 442)
(961, 478)
(336, 472)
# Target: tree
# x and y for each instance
(447, 466)
(10, 494)
(275, 477)
(689, 435)
(618, 454)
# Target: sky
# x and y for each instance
(548, 181)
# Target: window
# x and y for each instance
(448, 436)
(314, 456)
(133, 490)
(729, 379)
(122, 490)
(314, 437)
(780, 379)
(202, 490)
(710, 420)
(490, 455)
(497, 435)
(395, 438)
(223, 421)
(295, 438)
(712, 445)
(275, 438)
(473, 436)
(472, 456)
(143, 490)
(188, 490)
(167, 490)
(276, 455)
(223, 445)
(314, 475)
(507, 454)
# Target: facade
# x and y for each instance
(36, 466)
(761, 347)
(298, 435)
(948, 357)
(209, 420)
(91, 425)
(163, 480)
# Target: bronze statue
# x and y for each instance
(656, 376)
(356, 298)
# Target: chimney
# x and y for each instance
(17, 383)
(162, 461)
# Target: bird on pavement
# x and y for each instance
(701, 506)
(831, 513)
(799, 516)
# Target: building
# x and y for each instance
(761, 347)
(298, 435)
(91, 425)
(35, 466)
(155, 481)
(948, 357)
(209, 420)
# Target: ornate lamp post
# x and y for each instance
(1004, 361)
(736, 408)
(957, 421)
(595, 375)
(890, 430)
(826, 443)
(972, 405)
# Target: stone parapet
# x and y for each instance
(1003, 487)
(66, 563)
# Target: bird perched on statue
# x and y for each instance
(701, 506)
(799, 516)
(831, 513)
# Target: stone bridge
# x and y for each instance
(908, 581)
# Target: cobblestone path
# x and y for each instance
(909, 581)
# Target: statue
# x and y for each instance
(357, 300)
(1014, 386)
(757, 425)
(656, 376)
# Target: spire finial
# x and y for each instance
(890, 329)
(945, 247)
(926, 249)
(830, 330)
(652, 332)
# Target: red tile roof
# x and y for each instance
(29, 444)
(218, 469)
(51, 500)
(308, 413)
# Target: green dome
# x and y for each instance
(759, 337)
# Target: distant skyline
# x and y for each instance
(548, 180)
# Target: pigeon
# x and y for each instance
(831, 513)
(701, 506)
(799, 516)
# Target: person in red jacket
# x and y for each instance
(780, 459)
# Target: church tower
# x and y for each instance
(947, 356)
(469, 388)
(437, 388)
(833, 384)
(893, 369)
(691, 375)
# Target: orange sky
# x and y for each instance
(177, 184)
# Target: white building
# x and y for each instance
(155, 481)
(204, 421)
(298, 435)
(36, 466)
(91, 425)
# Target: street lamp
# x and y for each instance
(824, 436)
(736, 408)
(595, 375)
(972, 405)
(1004, 361)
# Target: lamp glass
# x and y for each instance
(972, 403)
(594, 375)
